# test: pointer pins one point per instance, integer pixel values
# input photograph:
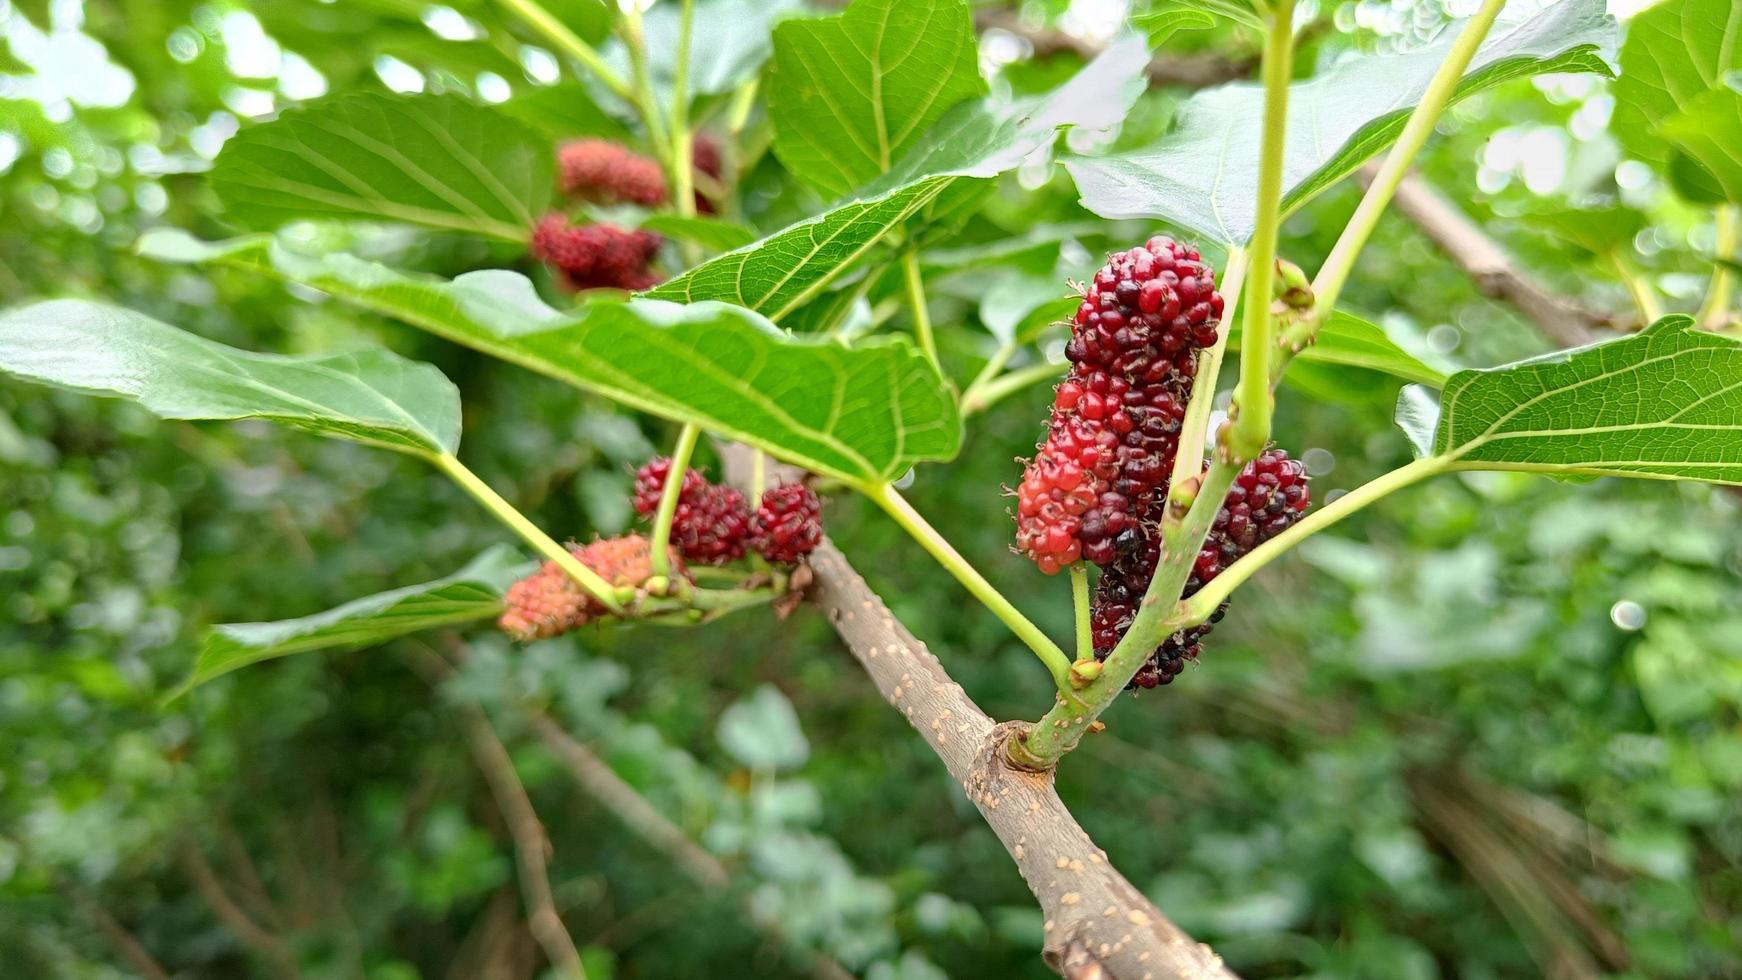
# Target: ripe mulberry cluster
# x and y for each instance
(607, 172)
(596, 256)
(1267, 497)
(788, 525)
(713, 525)
(1116, 418)
(549, 603)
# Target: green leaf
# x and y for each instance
(1598, 230)
(1202, 175)
(1351, 341)
(849, 95)
(1165, 18)
(1665, 403)
(562, 112)
(1674, 52)
(782, 272)
(371, 396)
(711, 233)
(1709, 131)
(864, 414)
(470, 594)
(730, 40)
(437, 161)
(762, 731)
(983, 139)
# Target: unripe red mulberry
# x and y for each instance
(711, 525)
(650, 485)
(601, 170)
(549, 602)
(713, 530)
(1116, 418)
(596, 256)
(1267, 497)
(788, 525)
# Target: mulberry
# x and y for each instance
(1116, 418)
(603, 171)
(711, 525)
(596, 256)
(788, 525)
(650, 485)
(549, 603)
(1267, 497)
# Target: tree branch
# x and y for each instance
(1090, 909)
(266, 944)
(1564, 321)
(136, 955)
(1182, 70)
(531, 846)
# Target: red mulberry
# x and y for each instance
(711, 525)
(1267, 497)
(650, 485)
(549, 603)
(596, 256)
(600, 170)
(1116, 418)
(788, 525)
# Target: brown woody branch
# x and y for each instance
(1097, 924)
(268, 945)
(136, 955)
(1564, 321)
(531, 846)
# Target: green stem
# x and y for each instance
(916, 300)
(1003, 387)
(635, 40)
(1644, 297)
(1717, 300)
(1080, 602)
(660, 559)
(1250, 428)
(1058, 732)
(1188, 460)
(910, 520)
(558, 33)
(994, 366)
(1203, 603)
(505, 512)
(731, 154)
(1328, 284)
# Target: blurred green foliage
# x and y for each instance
(1490, 728)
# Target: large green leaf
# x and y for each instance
(1351, 341)
(784, 271)
(1165, 18)
(436, 161)
(1674, 52)
(1708, 130)
(849, 95)
(864, 414)
(1665, 403)
(1202, 176)
(471, 594)
(980, 139)
(371, 396)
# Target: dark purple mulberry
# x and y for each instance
(788, 525)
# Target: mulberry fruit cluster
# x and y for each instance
(713, 525)
(607, 172)
(596, 256)
(1267, 497)
(1116, 418)
(549, 603)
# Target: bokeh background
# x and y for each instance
(1488, 728)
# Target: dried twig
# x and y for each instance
(531, 846)
(1564, 321)
(267, 944)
